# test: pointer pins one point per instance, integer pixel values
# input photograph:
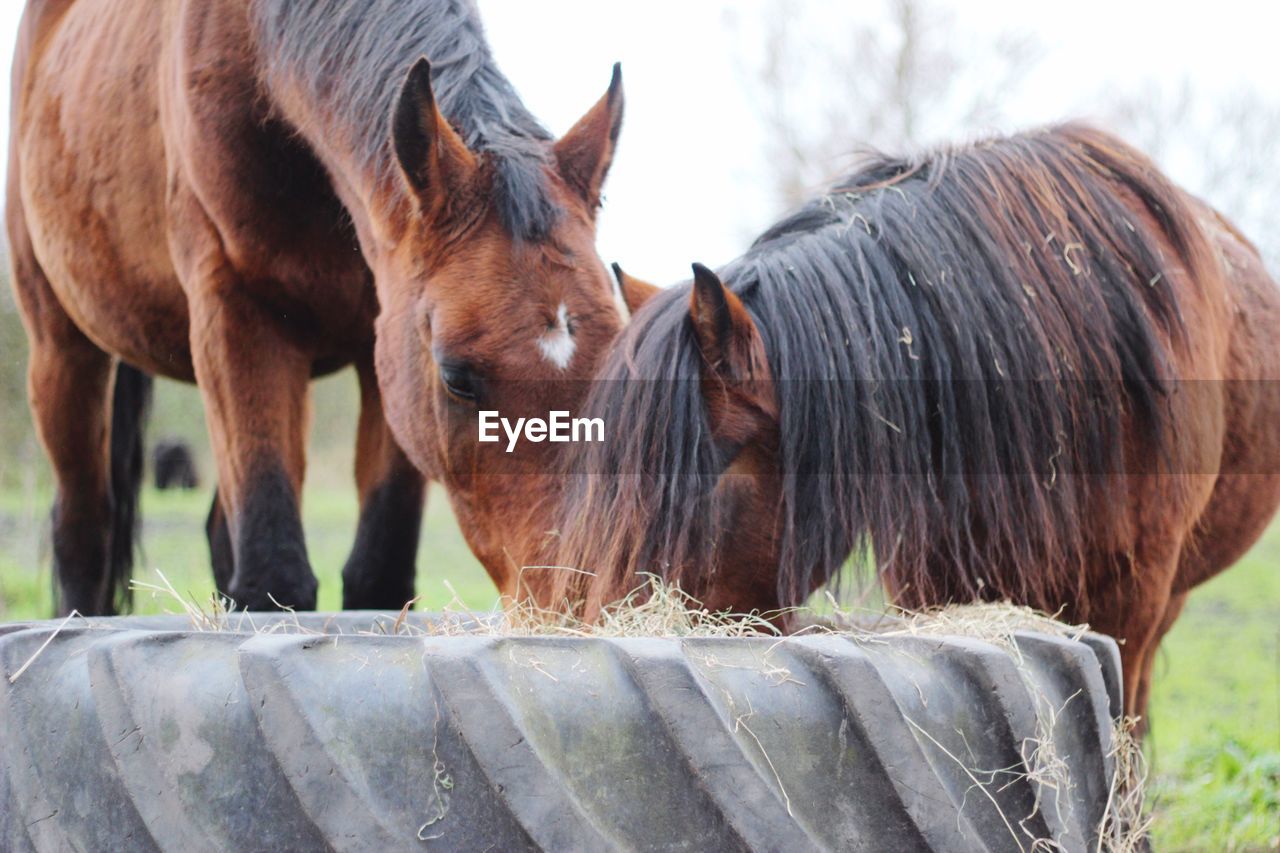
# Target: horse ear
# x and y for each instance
(631, 291)
(721, 323)
(736, 381)
(584, 154)
(433, 158)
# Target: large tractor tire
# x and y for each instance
(138, 734)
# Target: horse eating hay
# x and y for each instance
(1027, 369)
(230, 192)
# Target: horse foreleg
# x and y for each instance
(255, 383)
(380, 571)
(1134, 608)
(1171, 612)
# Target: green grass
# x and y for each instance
(173, 542)
(1214, 750)
(1215, 746)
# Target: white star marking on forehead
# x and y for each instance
(558, 345)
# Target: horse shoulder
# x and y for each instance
(247, 194)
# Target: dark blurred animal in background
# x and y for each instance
(173, 465)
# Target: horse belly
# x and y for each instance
(93, 177)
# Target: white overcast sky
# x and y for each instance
(689, 182)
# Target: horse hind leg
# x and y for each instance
(379, 574)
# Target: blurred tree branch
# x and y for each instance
(828, 80)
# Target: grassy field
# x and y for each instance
(173, 543)
(1215, 747)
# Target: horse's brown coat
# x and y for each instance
(180, 199)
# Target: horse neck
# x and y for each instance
(333, 75)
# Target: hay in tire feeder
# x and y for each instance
(366, 731)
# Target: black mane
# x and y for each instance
(353, 56)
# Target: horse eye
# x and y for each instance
(459, 381)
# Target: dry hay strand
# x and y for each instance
(654, 609)
(1125, 828)
(218, 614)
(212, 616)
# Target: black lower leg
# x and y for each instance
(81, 539)
(270, 553)
(380, 571)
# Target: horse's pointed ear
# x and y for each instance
(736, 382)
(434, 159)
(584, 154)
(725, 331)
(632, 293)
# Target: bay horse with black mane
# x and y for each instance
(1029, 369)
(247, 194)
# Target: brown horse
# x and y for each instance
(1027, 369)
(249, 193)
